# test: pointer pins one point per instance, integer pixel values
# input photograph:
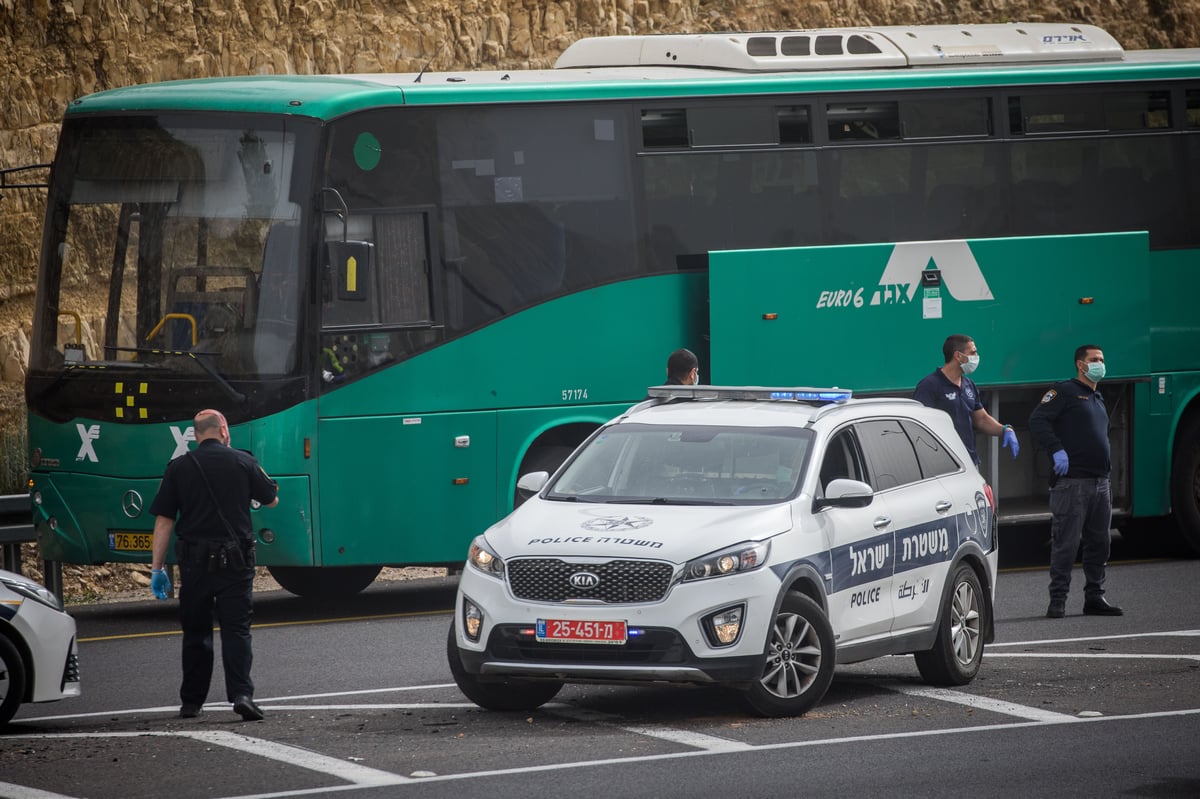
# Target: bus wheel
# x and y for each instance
(324, 581)
(502, 694)
(1185, 483)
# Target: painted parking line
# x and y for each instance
(10, 791)
(696, 740)
(1080, 639)
(981, 703)
(357, 775)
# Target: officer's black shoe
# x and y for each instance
(1101, 607)
(244, 706)
(190, 711)
(1057, 609)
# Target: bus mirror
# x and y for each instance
(351, 262)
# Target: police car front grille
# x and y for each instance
(619, 581)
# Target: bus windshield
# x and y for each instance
(188, 233)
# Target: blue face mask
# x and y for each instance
(1095, 371)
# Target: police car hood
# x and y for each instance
(677, 533)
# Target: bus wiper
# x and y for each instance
(229, 390)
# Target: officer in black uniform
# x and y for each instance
(1071, 423)
(209, 491)
(683, 369)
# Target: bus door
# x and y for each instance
(407, 474)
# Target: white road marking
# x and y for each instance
(981, 703)
(1089, 656)
(1049, 641)
(983, 729)
(357, 775)
(10, 791)
(699, 740)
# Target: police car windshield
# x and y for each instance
(686, 465)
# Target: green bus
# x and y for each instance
(404, 291)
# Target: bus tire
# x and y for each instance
(501, 695)
(324, 581)
(1185, 483)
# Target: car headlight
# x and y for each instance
(483, 558)
(734, 560)
(33, 591)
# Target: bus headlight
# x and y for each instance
(734, 560)
(484, 559)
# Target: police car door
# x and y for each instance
(922, 517)
(861, 547)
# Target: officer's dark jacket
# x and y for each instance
(1072, 417)
(235, 477)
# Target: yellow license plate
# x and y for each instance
(131, 542)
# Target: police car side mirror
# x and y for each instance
(530, 484)
(843, 493)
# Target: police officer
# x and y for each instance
(209, 491)
(683, 369)
(950, 390)
(1071, 423)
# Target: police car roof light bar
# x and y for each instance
(785, 394)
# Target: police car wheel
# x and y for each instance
(798, 662)
(957, 651)
(500, 695)
(12, 680)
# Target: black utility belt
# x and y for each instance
(214, 556)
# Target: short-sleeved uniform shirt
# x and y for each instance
(235, 477)
(936, 391)
(1072, 417)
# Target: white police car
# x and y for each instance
(751, 537)
(39, 657)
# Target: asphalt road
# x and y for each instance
(359, 701)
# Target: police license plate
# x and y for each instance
(571, 631)
(131, 542)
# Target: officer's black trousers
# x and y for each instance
(225, 595)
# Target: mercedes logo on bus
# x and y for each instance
(132, 504)
(584, 580)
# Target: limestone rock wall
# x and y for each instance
(52, 51)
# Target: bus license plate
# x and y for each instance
(571, 631)
(131, 542)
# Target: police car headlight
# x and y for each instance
(484, 559)
(734, 560)
(32, 591)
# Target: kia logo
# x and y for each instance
(584, 580)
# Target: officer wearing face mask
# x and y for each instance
(1071, 423)
(950, 390)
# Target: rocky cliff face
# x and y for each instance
(52, 51)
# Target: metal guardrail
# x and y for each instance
(16, 528)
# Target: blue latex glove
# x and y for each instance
(160, 583)
(1009, 439)
(1061, 464)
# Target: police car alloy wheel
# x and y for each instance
(957, 652)
(798, 665)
